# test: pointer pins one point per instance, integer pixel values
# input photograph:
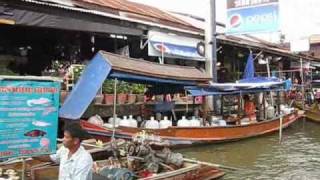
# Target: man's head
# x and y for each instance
(246, 97)
(73, 135)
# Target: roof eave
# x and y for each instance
(113, 16)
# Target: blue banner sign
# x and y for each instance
(253, 19)
(162, 44)
(176, 50)
(28, 117)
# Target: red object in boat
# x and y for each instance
(145, 173)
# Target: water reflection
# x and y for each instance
(297, 157)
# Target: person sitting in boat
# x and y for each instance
(310, 97)
(75, 162)
(249, 109)
(317, 95)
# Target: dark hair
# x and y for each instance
(76, 131)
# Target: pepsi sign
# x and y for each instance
(255, 19)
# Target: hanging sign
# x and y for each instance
(300, 45)
(175, 46)
(252, 16)
(28, 117)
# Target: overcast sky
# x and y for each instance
(298, 17)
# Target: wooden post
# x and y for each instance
(239, 105)
(269, 75)
(264, 106)
(302, 84)
(187, 104)
(280, 125)
(114, 108)
(280, 129)
(279, 102)
(222, 104)
(302, 89)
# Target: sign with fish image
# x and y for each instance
(28, 117)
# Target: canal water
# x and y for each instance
(296, 158)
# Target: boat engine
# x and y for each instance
(139, 157)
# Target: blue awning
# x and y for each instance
(211, 91)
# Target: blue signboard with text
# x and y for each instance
(28, 117)
(258, 18)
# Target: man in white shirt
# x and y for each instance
(75, 162)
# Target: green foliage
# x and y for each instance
(107, 87)
(138, 88)
(77, 71)
(122, 87)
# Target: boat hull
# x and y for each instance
(200, 172)
(187, 136)
(312, 114)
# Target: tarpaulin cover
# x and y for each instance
(249, 70)
(261, 80)
(86, 88)
(249, 84)
(211, 91)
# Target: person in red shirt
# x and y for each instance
(249, 108)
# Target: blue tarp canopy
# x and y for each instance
(249, 84)
(106, 65)
(211, 91)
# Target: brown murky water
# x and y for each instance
(296, 158)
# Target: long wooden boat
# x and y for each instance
(187, 136)
(36, 170)
(312, 113)
(190, 171)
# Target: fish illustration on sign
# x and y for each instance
(44, 142)
(40, 123)
(40, 101)
(35, 133)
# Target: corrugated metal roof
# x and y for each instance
(118, 9)
(238, 41)
(136, 8)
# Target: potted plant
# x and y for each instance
(132, 97)
(108, 92)
(139, 90)
(123, 89)
(135, 91)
